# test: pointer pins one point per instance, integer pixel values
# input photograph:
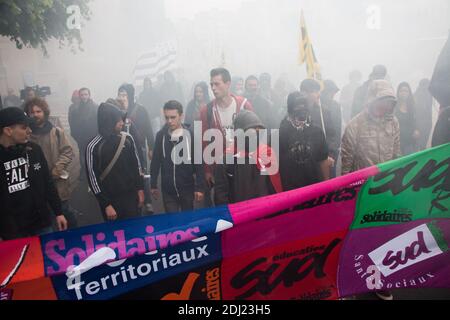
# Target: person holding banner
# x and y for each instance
(257, 175)
(303, 148)
(373, 136)
(321, 116)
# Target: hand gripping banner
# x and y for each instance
(384, 227)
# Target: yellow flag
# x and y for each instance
(307, 54)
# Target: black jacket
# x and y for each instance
(301, 152)
(125, 176)
(83, 122)
(142, 129)
(240, 182)
(441, 133)
(335, 121)
(143, 134)
(360, 98)
(440, 81)
(25, 210)
(176, 179)
(332, 127)
(152, 102)
(263, 108)
(192, 113)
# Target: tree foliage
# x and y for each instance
(32, 23)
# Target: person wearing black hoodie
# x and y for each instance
(137, 123)
(26, 186)
(184, 182)
(118, 185)
(424, 112)
(303, 147)
(257, 175)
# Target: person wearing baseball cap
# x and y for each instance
(26, 186)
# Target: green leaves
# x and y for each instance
(33, 23)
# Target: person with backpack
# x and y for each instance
(137, 124)
(113, 167)
(220, 113)
(57, 151)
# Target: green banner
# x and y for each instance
(407, 189)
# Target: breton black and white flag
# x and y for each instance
(156, 61)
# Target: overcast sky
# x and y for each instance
(177, 9)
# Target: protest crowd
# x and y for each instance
(139, 150)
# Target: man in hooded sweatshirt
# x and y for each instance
(303, 147)
(137, 123)
(114, 172)
(373, 136)
(182, 182)
(250, 170)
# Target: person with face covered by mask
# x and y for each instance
(373, 136)
(113, 167)
(303, 147)
(137, 124)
